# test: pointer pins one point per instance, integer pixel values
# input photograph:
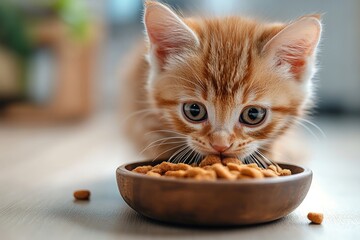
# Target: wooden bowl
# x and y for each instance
(213, 203)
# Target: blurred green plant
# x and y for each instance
(13, 31)
(15, 38)
(17, 18)
(74, 14)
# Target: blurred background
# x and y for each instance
(62, 59)
(61, 64)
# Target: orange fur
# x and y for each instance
(227, 72)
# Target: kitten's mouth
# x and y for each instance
(225, 155)
(194, 155)
(241, 154)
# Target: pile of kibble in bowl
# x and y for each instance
(212, 167)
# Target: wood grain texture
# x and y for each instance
(41, 167)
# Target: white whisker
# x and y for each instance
(133, 114)
(308, 129)
(192, 155)
(260, 161)
(266, 159)
(165, 143)
(168, 150)
(177, 153)
(184, 157)
(180, 155)
(156, 141)
(199, 156)
(196, 156)
(314, 125)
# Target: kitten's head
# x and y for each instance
(231, 85)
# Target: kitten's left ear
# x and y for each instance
(294, 47)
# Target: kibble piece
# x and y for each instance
(180, 166)
(235, 173)
(177, 174)
(142, 169)
(205, 177)
(166, 166)
(153, 173)
(316, 218)
(223, 172)
(235, 167)
(274, 169)
(285, 172)
(208, 167)
(279, 171)
(251, 172)
(226, 161)
(210, 173)
(157, 170)
(192, 172)
(210, 160)
(82, 195)
(269, 173)
(212, 168)
(253, 165)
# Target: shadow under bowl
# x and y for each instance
(213, 203)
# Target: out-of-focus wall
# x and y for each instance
(120, 29)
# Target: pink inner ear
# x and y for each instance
(294, 45)
(295, 54)
(166, 44)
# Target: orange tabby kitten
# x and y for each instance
(229, 86)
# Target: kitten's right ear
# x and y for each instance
(295, 45)
(167, 32)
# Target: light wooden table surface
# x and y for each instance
(41, 166)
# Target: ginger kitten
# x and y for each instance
(229, 86)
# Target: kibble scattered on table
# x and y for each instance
(316, 218)
(83, 195)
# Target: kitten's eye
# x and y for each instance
(253, 115)
(195, 112)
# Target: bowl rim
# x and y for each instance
(121, 170)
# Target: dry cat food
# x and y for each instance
(316, 218)
(213, 167)
(82, 195)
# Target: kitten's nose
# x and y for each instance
(220, 148)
